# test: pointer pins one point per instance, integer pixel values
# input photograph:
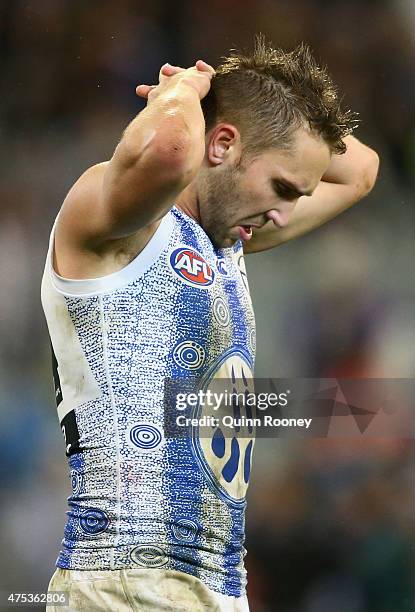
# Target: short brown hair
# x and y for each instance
(269, 94)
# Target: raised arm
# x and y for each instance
(349, 178)
(158, 155)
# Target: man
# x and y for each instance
(145, 280)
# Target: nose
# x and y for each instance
(280, 219)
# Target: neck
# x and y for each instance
(188, 202)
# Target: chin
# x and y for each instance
(228, 242)
(223, 242)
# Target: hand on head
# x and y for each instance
(198, 76)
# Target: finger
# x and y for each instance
(204, 67)
(144, 90)
(173, 70)
(168, 70)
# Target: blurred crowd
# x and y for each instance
(330, 523)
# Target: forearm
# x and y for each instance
(349, 178)
(159, 154)
(171, 130)
(358, 167)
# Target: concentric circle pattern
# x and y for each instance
(221, 312)
(76, 482)
(93, 521)
(185, 530)
(145, 436)
(148, 555)
(189, 355)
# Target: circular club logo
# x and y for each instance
(225, 456)
(191, 267)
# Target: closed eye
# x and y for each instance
(283, 191)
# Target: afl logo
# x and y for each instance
(191, 267)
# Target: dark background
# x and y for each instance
(330, 523)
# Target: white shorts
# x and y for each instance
(139, 590)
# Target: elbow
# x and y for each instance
(167, 140)
(173, 156)
(178, 155)
(369, 173)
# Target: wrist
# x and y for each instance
(182, 92)
(183, 103)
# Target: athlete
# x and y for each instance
(145, 280)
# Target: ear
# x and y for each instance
(224, 144)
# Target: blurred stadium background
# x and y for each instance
(331, 523)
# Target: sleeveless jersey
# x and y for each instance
(140, 499)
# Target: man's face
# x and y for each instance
(234, 199)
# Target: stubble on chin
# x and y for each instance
(216, 226)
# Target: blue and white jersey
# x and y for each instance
(139, 498)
